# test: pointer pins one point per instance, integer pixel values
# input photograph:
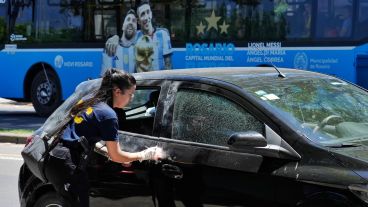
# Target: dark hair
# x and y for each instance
(131, 11)
(112, 78)
(143, 2)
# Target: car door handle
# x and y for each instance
(172, 171)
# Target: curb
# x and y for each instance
(6, 101)
(13, 138)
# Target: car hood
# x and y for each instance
(354, 158)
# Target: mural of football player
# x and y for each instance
(160, 37)
(119, 51)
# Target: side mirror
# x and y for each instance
(247, 139)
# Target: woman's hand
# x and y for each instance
(152, 153)
(117, 155)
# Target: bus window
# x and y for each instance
(299, 19)
(21, 23)
(3, 22)
(334, 19)
(326, 21)
(177, 25)
(344, 14)
(236, 20)
(58, 22)
(105, 24)
(108, 18)
(361, 24)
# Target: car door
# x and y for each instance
(202, 168)
(113, 184)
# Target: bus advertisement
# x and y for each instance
(48, 47)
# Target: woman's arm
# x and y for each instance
(117, 155)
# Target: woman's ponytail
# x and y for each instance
(112, 78)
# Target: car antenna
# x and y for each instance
(281, 75)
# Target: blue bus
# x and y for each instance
(48, 47)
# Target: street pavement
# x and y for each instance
(17, 115)
(10, 162)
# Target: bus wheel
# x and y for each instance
(45, 93)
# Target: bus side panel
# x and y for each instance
(337, 61)
(76, 66)
(71, 65)
(73, 68)
(13, 68)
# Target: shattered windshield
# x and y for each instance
(330, 111)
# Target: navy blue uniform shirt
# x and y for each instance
(98, 122)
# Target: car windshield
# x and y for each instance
(328, 110)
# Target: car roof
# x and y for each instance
(226, 74)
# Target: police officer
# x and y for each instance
(93, 120)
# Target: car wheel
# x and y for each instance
(49, 200)
(45, 93)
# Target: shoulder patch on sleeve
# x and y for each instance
(89, 110)
(78, 119)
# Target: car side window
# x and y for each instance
(144, 97)
(205, 117)
(140, 113)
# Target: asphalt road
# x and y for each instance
(10, 162)
(16, 115)
(13, 115)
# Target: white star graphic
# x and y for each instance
(224, 27)
(212, 21)
(200, 28)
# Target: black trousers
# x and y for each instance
(78, 191)
(69, 181)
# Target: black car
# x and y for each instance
(254, 136)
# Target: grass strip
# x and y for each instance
(17, 131)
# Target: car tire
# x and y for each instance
(45, 93)
(49, 200)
